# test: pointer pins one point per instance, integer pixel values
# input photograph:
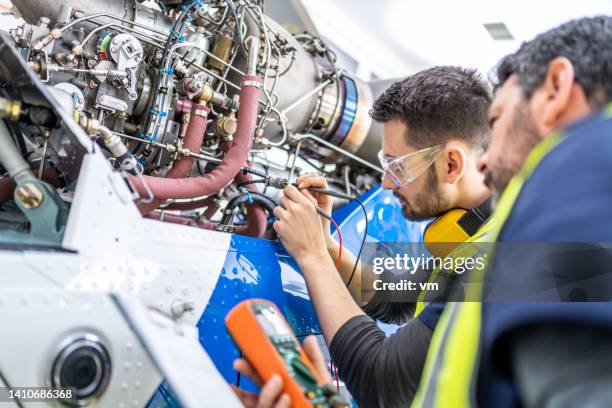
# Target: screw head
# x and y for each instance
(29, 195)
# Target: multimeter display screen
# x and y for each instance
(272, 323)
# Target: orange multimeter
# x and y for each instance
(265, 338)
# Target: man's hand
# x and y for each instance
(324, 201)
(271, 394)
(299, 227)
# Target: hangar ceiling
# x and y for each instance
(396, 37)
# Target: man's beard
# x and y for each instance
(524, 132)
(428, 203)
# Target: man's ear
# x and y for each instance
(456, 161)
(554, 95)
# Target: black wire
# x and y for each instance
(246, 183)
(249, 197)
(365, 234)
(250, 170)
(238, 372)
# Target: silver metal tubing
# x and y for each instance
(135, 33)
(114, 17)
(306, 96)
(165, 147)
(341, 151)
(253, 56)
(11, 158)
(209, 72)
(283, 125)
(213, 56)
(297, 152)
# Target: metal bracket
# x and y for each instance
(45, 211)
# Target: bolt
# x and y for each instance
(92, 63)
(179, 308)
(93, 84)
(113, 49)
(29, 195)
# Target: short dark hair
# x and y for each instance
(437, 105)
(586, 42)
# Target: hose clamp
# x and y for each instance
(256, 84)
(200, 112)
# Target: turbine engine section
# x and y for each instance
(195, 100)
(342, 119)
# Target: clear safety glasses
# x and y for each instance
(405, 169)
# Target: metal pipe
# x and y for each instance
(253, 55)
(341, 151)
(295, 156)
(209, 72)
(143, 26)
(10, 156)
(171, 148)
(77, 49)
(306, 96)
(44, 155)
(283, 126)
(112, 142)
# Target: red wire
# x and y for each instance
(340, 242)
(335, 368)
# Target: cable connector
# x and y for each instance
(277, 182)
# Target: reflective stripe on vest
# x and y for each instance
(449, 375)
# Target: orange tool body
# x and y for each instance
(265, 338)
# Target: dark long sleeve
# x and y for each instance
(394, 307)
(380, 371)
(380, 308)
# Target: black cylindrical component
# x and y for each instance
(83, 366)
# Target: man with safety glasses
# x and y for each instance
(434, 129)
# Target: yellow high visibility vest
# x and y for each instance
(449, 375)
